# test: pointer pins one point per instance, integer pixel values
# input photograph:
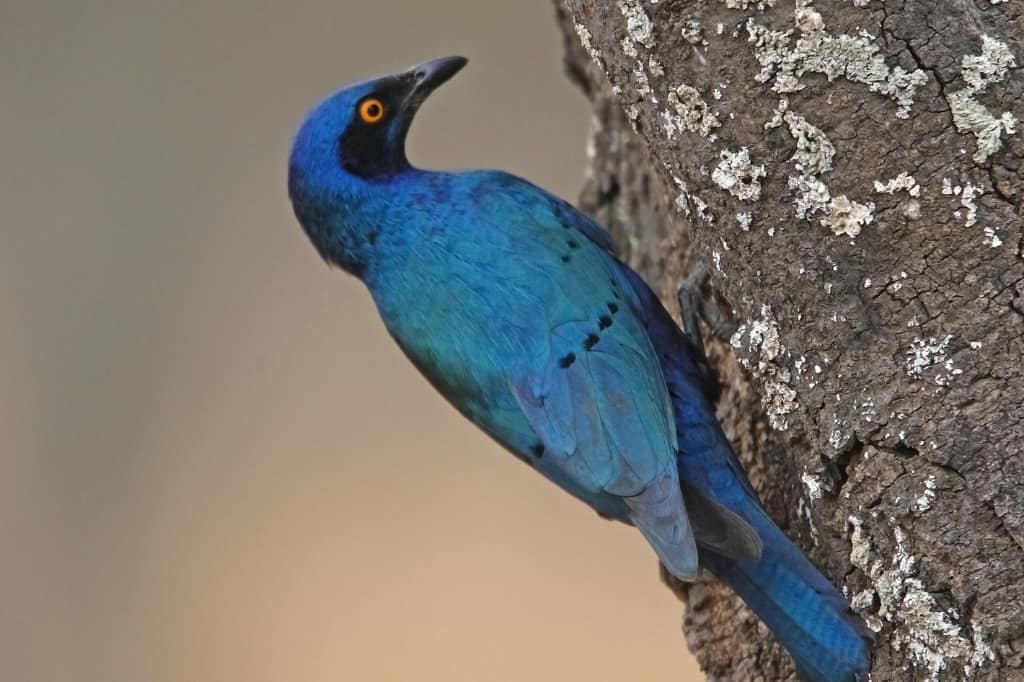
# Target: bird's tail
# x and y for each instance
(827, 641)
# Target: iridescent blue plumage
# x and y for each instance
(514, 306)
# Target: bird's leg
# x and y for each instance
(690, 302)
(694, 305)
(698, 302)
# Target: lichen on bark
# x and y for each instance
(875, 391)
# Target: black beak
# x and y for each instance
(426, 77)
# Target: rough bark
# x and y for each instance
(874, 386)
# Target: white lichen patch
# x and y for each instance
(639, 29)
(912, 209)
(702, 209)
(861, 602)
(587, 41)
(682, 197)
(925, 353)
(763, 359)
(688, 112)
(967, 194)
(629, 47)
(982, 653)
(981, 71)
(814, 151)
(685, 198)
(969, 115)
(929, 634)
(901, 183)
(855, 58)
(860, 544)
(804, 511)
(798, 365)
(642, 84)
(967, 201)
(744, 218)
(846, 217)
(895, 282)
(813, 157)
(807, 18)
(669, 124)
(682, 205)
(745, 4)
(812, 195)
(738, 176)
(813, 484)
(693, 32)
(633, 113)
(924, 501)
(991, 238)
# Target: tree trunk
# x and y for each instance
(850, 173)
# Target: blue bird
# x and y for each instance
(514, 306)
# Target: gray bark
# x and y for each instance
(874, 387)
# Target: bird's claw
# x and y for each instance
(698, 301)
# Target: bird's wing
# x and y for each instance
(597, 398)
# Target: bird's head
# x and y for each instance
(350, 142)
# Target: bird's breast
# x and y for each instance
(466, 320)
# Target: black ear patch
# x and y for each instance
(363, 150)
(370, 150)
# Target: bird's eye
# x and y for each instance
(371, 110)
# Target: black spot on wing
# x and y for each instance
(604, 322)
(613, 308)
(591, 341)
(561, 212)
(567, 361)
(575, 222)
(537, 450)
(573, 244)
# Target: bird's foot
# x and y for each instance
(699, 301)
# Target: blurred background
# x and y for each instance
(214, 463)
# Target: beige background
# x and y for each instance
(215, 465)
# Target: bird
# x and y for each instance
(515, 307)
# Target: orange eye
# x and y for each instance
(371, 110)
